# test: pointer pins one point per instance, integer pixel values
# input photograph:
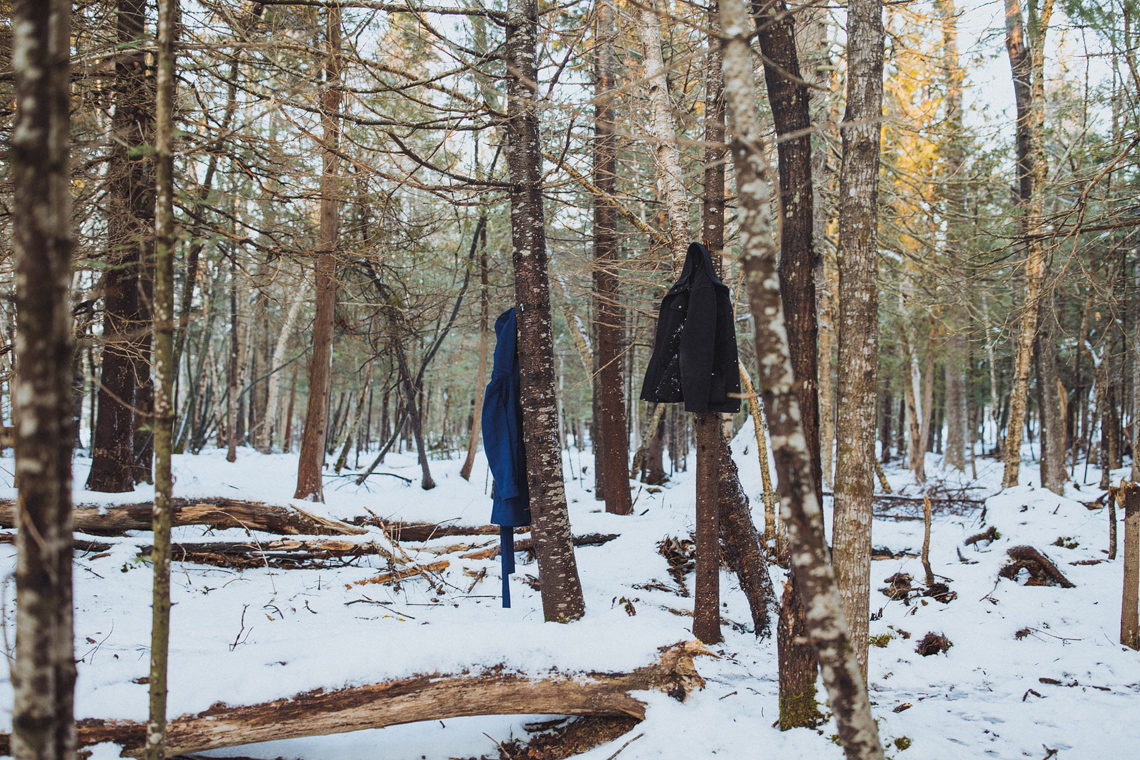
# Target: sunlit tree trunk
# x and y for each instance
(953, 191)
(562, 599)
(43, 670)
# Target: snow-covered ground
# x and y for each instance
(248, 636)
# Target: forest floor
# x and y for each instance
(1033, 671)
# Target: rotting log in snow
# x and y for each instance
(214, 512)
(285, 554)
(1042, 571)
(408, 700)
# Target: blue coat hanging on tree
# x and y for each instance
(503, 443)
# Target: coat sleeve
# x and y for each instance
(698, 347)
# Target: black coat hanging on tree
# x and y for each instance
(694, 354)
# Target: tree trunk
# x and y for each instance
(481, 373)
(351, 429)
(1027, 66)
(310, 483)
(669, 174)
(1129, 624)
(760, 429)
(706, 594)
(740, 546)
(858, 318)
(800, 502)
(914, 396)
(562, 599)
(43, 670)
(709, 438)
(287, 435)
(613, 449)
(817, 69)
(1052, 463)
(130, 199)
(955, 372)
(788, 96)
(165, 373)
(268, 430)
(413, 411)
(956, 351)
(233, 383)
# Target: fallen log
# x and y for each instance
(525, 545)
(422, 531)
(215, 512)
(408, 700)
(286, 554)
(79, 544)
(399, 575)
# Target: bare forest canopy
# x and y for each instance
(420, 242)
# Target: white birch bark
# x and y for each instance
(269, 429)
(799, 505)
(664, 135)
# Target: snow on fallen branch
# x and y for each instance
(432, 696)
(215, 512)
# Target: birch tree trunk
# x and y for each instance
(562, 599)
(612, 453)
(800, 504)
(43, 671)
(1029, 93)
(165, 372)
(664, 135)
(268, 430)
(858, 317)
(310, 484)
(788, 95)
